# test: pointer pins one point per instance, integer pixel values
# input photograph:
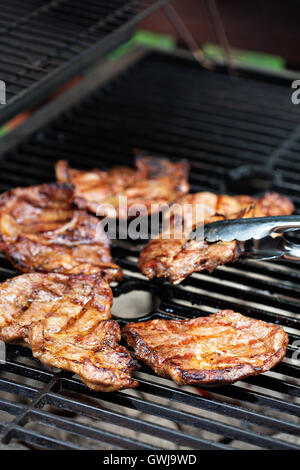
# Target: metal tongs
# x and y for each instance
(257, 236)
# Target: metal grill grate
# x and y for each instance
(43, 43)
(169, 105)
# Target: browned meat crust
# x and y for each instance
(214, 350)
(66, 321)
(41, 231)
(176, 257)
(154, 181)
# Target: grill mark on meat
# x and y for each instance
(42, 231)
(175, 259)
(153, 181)
(66, 321)
(234, 347)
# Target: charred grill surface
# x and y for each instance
(218, 125)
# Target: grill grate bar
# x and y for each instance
(76, 153)
(275, 384)
(75, 150)
(135, 424)
(26, 371)
(140, 133)
(17, 389)
(183, 396)
(61, 37)
(192, 420)
(217, 128)
(41, 441)
(252, 132)
(86, 431)
(10, 407)
(213, 405)
(212, 301)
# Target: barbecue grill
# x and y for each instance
(165, 103)
(45, 43)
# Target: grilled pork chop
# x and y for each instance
(41, 231)
(154, 181)
(175, 256)
(215, 350)
(66, 321)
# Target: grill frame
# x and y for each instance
(73, 55)
(221, 402)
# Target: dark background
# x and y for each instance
(270, 26)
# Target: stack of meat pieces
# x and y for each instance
(61, 308)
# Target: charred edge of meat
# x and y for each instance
(176, 259)
(136, 184)
(42, 231)
(107, 377)
(48, 316)
(204, 377)
(206, 257)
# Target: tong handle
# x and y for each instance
(246, 229)
(284, 223)
(291, 251)
(270, 248)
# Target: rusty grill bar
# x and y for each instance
(169, 105)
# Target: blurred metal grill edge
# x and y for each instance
(45, 43)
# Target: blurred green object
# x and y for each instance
(144, 38)
(257, 59)
(3, 131)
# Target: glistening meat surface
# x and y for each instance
(154, 181)
(66, 321)
(175, 256)
(215, 350)
(42, 231)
